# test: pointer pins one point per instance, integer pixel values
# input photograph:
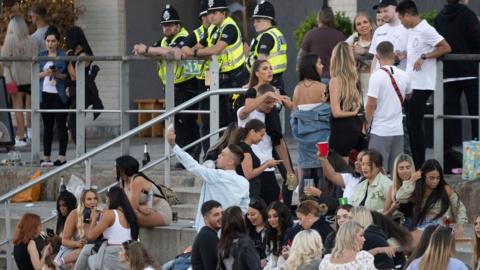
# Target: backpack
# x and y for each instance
(166, 193)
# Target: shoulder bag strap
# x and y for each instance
(395, 86)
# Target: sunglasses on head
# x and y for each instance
(92, 187)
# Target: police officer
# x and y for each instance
(185, 83)
(227, 44)
(269, 44)
(203, 32)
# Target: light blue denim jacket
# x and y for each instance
(309, 128)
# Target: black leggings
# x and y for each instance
(53, 101)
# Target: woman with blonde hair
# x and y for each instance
(360, 40)
(439, 253)
(403, 177)
(347, 253)
(476, 244)
(19, 43)
(306, 251)
(344, 100)
(75, 228)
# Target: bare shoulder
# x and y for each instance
(450, 191)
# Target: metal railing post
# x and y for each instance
(88, 172)
(80, 116)
(124, 106)
(214, 99)
(438, 111)
(478, 112)
(169, 105)
(8, 228)
(35, 91)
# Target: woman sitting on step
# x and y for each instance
(137, 186)
(75, 228)
(118, 224)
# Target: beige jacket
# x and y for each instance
(377, 193)
(20, 72)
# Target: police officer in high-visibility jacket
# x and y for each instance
(184, 82)
(227, 44)
(204, 31)
(268, 44)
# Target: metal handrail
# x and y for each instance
(124, 136)
(148, 166)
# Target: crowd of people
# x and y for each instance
(371, 201)
(57, 79)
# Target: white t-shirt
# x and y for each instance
(422, 39)
(387, 118)
(49, 83)
(264, 148)
(396, 34)
(350, 182)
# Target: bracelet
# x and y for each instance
(146, 49)
(195, 52)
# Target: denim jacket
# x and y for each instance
(377, 192)
(309, 128)
(62, 68)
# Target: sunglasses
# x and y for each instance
(92, 187)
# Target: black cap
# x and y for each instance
(214, 5)
(170, 15)
(264, 10)
(203, 8)
(385, 3)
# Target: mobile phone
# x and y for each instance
(50, 232)
(53, 67)
(86, 215)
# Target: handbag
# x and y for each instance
(471, 160)
(12, 86)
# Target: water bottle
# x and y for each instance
(146, 155)
(62, 186)
(150, 198)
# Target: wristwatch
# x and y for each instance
(423, 56)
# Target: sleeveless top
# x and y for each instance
(22, 257)
(117, 234)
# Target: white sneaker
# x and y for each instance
(20, 143)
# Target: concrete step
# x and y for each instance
(188, 195)
(186, 211)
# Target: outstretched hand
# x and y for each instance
(171, 136)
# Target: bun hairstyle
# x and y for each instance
(52, 30)
(241, 133)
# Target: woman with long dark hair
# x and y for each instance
(137, 186)
(344, 100)
(117, 224)
(78, 45)
(372, 190)
(256, 224)
(251, 168)
(236, 250)
(439, 253)
(437, 202)
(66, 203)
(52, 87)
(220, 144)
(279, 221)
(310, 119)
(135, 256)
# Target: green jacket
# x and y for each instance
(376, 193)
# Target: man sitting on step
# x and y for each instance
(222, 184)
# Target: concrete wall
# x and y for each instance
(104, 26)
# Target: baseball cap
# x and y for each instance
(385, 3)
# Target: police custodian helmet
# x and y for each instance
(169, 15)
(214, 5)
(264, 10)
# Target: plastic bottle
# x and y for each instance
(146, 155)
(150, 198)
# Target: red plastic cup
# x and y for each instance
(322, 148)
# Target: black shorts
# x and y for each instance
(25, 88)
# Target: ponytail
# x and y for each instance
(241, 133)
(238, 135)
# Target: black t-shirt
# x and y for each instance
(265, 44)
(375, 237)
(255, 160)
(258, 239)
(189, 41)
(204, 249)
(229, 34)
(22, 257)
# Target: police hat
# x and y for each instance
(203, 8)
(169, 15)
(214, 5)
(264, 10)
(385, 3)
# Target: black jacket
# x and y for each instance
(245, 256)
(375, 237)
(460, 27)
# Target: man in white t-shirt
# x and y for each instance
(392, 30)
(263, 104)
(388, 87)
(424, 46)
